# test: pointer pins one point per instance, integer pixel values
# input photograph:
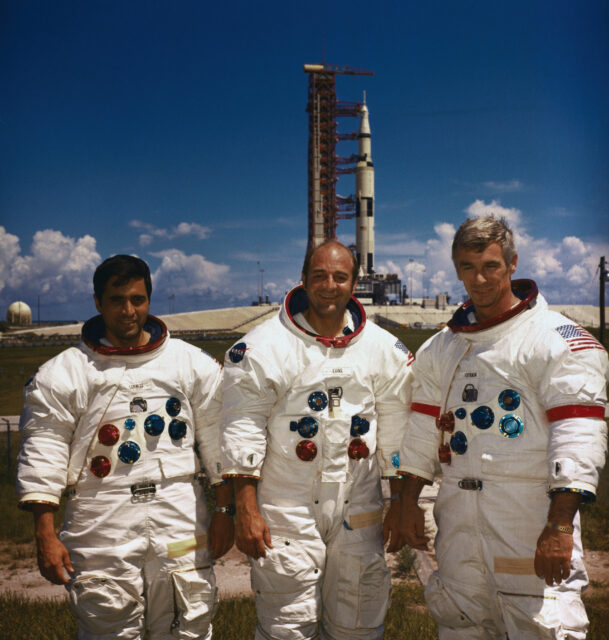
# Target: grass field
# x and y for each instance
(407, 619)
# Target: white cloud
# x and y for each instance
(59, 268)
(506, 187)
(191, 229)
(479, 208)
(192, 275)
(574, 246)
(151, 232)
(544, 263)
(577, 275)
(9, 250)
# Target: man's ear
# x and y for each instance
(353, 287)
(513, 264)
(303, 278)
(97, 304)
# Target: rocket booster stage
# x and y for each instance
(364, 198)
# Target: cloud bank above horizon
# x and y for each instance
(59, 268)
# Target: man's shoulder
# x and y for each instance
(177, 346)
(267, 332)
(63, 371)
(373, 331)
(71, 355)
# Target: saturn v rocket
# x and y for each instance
(364, 198)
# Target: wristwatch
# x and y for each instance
(229, 510)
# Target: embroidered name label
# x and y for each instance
(337, 371)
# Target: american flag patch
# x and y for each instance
(402, 347)
(577, 338)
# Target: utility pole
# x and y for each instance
(603, 278)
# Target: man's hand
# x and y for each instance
(412, 517)
(391, 528)
(251, 533)
(553, 556)
(412, 526)
(252, 536)
(221, 534)
(53, 558)
(554, 547)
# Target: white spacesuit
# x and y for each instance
(513, 408)
(318, 421)
(117, 428)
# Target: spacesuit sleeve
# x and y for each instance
(392, 400)
(419, 447)
(53, 400)
(206, 404)
(572, 387)
(250, 386)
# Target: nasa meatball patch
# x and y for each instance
(237, 352)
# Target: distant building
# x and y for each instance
(19, 313)
(379, 288)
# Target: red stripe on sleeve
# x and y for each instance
(427, 409)
(575, 411)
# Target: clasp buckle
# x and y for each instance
(470, 484)
(143, 489)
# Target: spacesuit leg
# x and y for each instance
(106, 590)
(558, 616)
(180, 586)
(286, 585)
(357, 585)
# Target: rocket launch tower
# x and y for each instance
(326, 207)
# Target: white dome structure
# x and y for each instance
(19, 313)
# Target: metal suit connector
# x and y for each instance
(470, 484)
(143, 489)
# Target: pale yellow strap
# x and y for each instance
(181, 548)
(515, 566)
(366, 519)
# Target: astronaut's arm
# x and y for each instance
(573, 392)
(204, 390)
(412, 517)
(419, 447)
(555, 544)
(47, 426)
(392, 531)
(251, 534)
(53, 558)
(392, 400)
(249, 393)
(222, 526)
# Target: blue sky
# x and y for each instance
(178, 132)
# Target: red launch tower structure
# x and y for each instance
(324, 205)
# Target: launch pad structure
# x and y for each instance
(325, 206)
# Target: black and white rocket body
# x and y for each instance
(364, 198)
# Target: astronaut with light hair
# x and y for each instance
(509, 399)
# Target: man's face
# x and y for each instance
(328, 283)
(124, 310)
(486, 278)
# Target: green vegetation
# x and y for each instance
(407, 618)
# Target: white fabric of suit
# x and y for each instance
(486, 585)
(324, 514)
(141, 561)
